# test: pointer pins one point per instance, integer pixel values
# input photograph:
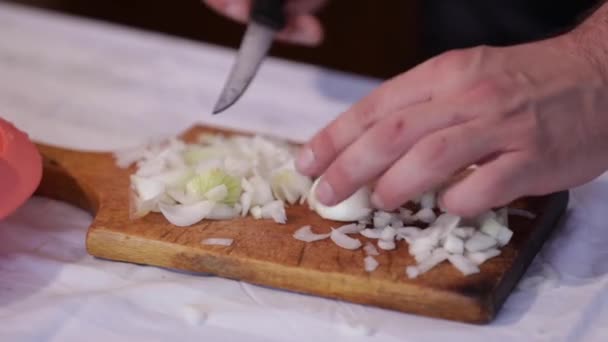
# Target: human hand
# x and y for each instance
(302, 27)
(533, 118)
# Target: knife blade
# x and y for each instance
(267, 18)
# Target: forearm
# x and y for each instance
(591, 38)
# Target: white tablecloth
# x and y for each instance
(89, 85)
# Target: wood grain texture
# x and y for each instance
(265, 253)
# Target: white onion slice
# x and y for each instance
(183, 215)
(491, 227)
(426, 215)
(504, 236)
(382, 219)
(352, 228)
(481, 257)
(256, 212)
(217, 194)
(344, 241)
(354, 208)
(217, 241)
(305, 234)
(464, 232)
(275, 210)
(387, 245)
(388, 233)
(412, 272)
(464, 265)
(454, 244)
(479, 242)
(223, 212)
(370, 249)
(146, 188)
(370, 263)
(372, 233)
(427, 200)
(438, 256)
(245, 203)
(408, 232)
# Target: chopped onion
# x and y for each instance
(224, 212)
(184, 215)
(245, 203)
(504, 236)
(371, 233)
(344, 240)
(410, 232)
(217, 241)
(491, 227)
(387, 245)
(464, 265)
(256, 212)
(453, 244)
(428, 200)
(275, 210)
(412, 272)
(370, 263)
(481, 257)
(426, 215)
(388, 233)
(305, 234)
(217, 194)
(354, 208)
(382, 219)
(438, 256)
(369, 249)
(464, 232)
(147, 189)
(479, 242)
(350, 229)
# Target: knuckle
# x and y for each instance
(452, 61)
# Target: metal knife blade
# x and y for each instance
(254, 47)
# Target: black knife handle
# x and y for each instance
(269, 13)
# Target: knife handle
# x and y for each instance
(269, 13)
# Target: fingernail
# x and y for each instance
(377, 201)
(235, 9)
(325, 193)
(305, 160)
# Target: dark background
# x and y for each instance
(361, 36)
(378, 38)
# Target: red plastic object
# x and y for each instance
(20, 168)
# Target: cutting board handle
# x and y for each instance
(74, 176)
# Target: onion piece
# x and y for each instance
(217, 194)
(426, 215)
(354, 208)
(305, 234)
(454, 244)
(412, 272)
(387, 245)
(481, 257)
(352, 228)
(256, 212)
(275, 210)
(223, 212)
(183, 215)
(464, 265)
(479, 242)
(464, 232)
(388, 234)
(408, 232)
(382, 219)
(428, 200)
(371, 233)
(217, 241)
(370, 263)
(343, 240)
(438, 256)
(491, 227)
(147, 189)
(504, 236)
(369, 249)
(245, 203)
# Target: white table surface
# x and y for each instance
(89, 85)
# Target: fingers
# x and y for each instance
(380, 146)
(432, 161)
(301, 28)
(412, 87)
(237, 10)
(494, 184)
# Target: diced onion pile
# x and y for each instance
(221, 178)
(218, 178)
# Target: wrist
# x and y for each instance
(590, 41)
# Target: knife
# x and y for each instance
(267, 18)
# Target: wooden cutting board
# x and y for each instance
(265, 253)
